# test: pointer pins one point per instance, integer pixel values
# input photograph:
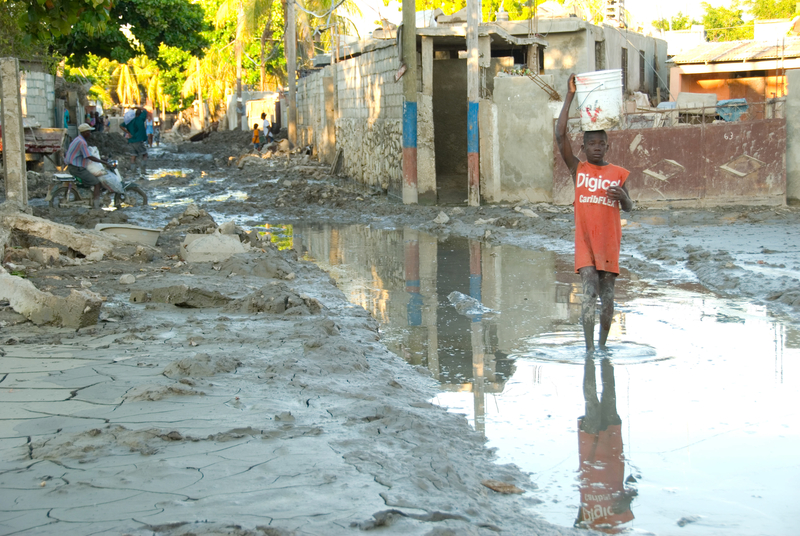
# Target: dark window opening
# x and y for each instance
(599, 55)
(641, 71)
(624, 70)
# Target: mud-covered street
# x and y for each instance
(286, 389)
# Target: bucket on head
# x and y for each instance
(599, 95)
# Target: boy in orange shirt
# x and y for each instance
(256, 137)
(600, 191)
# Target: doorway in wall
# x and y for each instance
(450, 130)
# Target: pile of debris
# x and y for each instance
(110, 144)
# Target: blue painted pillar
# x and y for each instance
(410, 190)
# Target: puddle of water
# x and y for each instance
(160, 173)
(236, 195)
(697, 400)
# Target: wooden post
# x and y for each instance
(410, 189)
(238, 48)
(473, 82)
(291, 71)
(14, 171)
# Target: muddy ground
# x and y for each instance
(247, 396)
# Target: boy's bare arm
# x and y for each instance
(561, 129)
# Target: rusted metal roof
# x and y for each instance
(741, 51)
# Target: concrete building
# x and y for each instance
(577, 46)
(753, 70)
(680, 41)
(353, 107)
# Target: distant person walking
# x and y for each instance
(266, 129)
(137, 140)
(148, 125)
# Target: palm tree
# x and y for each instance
(127, 84)
(323, 18)
(210, 77)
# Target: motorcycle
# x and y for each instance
(70, 191)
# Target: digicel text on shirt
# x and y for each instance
(593, 184)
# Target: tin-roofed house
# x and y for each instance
(752, 70)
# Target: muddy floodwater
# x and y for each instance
(706, 388)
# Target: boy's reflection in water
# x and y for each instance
(605, 498)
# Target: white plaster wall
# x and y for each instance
(524, 139)
(655, 55)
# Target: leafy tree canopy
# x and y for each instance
(678, 22)
(516, 9)
(137, 26)
(42, 19)
(726, 24)
(770, 9)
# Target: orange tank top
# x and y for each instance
(597, 223)
(602, 472)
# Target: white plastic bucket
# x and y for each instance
(599, 96)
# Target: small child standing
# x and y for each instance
(600, 192)
(256, 137)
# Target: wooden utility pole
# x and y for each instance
(473, 81)
(410, 190)
(14, 170)
(291, 70)
(239, 30)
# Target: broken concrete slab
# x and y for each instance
(211, 248)
(186, 296)
(44, 256)
(268, 265)
(80, 309)
(275, 299)
(94, 245)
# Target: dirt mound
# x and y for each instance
(110, 144)
(220, 143)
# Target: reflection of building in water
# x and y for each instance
(605, 498)
(403, 278)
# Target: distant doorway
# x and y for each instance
(450, 130)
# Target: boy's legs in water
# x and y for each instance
(596, 283)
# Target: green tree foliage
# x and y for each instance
(678, 22)
(771, 9)
(40, 20)
(174, 62)
(96, 71)
(150, 23)
(13, 40)
(726, 24)
(516, 9)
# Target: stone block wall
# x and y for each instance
(310, 109)
(369, 125)
(37, 90)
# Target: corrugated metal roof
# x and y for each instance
(741, 51)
